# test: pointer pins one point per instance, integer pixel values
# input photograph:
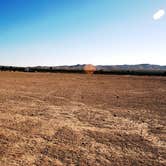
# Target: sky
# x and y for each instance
(69, 32)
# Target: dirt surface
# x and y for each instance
(49, 119)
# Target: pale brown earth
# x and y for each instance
(83, 120)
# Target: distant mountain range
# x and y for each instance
(140, 69)
(98, 67)
(114, 67)
(132, 67)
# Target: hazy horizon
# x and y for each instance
(70, 32)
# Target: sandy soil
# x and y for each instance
(49, 119)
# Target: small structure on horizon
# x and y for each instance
(26, 69)
(89, 69)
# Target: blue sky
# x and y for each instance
(67, 32)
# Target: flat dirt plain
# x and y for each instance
(49, 119)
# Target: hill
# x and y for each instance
(140, 69)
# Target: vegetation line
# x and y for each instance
(80, 69)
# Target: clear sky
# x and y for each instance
(67, 32)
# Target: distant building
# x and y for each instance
(27, 69)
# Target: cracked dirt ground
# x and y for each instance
(76, 119)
